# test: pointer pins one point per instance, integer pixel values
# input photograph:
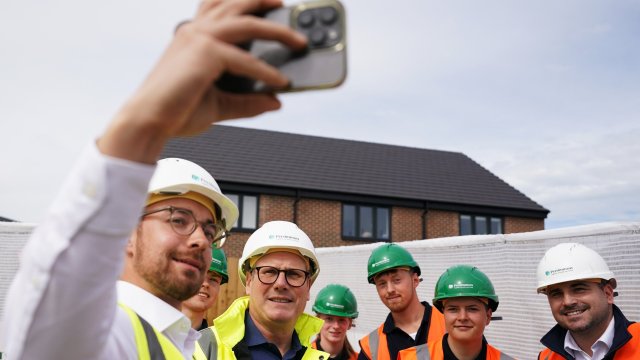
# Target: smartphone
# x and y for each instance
(322, 65)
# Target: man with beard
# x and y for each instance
(410, 322)
(63, 302)
(195, 308)
(277, 267)
(580, 290)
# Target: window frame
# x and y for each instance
(374, 237)
(473, 219)
(240, 204)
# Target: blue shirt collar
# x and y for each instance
(254, 337)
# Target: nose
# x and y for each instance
(568, 299)
(281, 280)
(389, 288)
(462, 315)
(199, 239)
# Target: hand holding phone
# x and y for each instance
(322, 65)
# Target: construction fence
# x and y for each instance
(509, 260)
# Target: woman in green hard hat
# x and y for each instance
(466, 297)
(337, 306)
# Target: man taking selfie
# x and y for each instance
(63, 302)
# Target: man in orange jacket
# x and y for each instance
(396, 276)
(580, 289)
(466, 297)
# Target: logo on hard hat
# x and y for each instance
(381, 262)
(558, 271)
(460, 286)
(216, 261)
(335, 305)
(284, 237)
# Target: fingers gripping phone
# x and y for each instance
(322, 65)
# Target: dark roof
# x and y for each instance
(268, 158)
(4, 219)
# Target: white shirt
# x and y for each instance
(600, 348)
(162, 316)
(62, 303)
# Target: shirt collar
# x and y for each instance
(605, 340)
(162, 316)
(254, 336)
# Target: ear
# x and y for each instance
(131, 244)
(415, 278)
(247, 287)
(608, 292)
(489, 313)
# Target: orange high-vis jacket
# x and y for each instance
(434, 351)
(625, 346)
(375, 346)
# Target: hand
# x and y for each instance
(178, 97)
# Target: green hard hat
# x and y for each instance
(219, 264)
(389, 256)
(464, 281)
(336, 300)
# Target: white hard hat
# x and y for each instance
(278, 235)
(571, 261)
(175, 176)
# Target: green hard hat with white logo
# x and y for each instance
(464, 281)
(336, 300)
(389, 256)
(219, 264)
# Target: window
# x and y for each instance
(364, 222)
(480, 225)
(248, 206)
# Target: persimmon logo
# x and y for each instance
(558, 271)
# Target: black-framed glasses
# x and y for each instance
(269, 275)
(183, 222)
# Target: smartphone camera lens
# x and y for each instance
(306, 19)
(328, 15)
(321, 26)
(317, 37)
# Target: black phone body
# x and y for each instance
(322, 65)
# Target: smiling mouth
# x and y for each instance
(280, 300)
(574, 312)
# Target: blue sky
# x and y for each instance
(544, 94)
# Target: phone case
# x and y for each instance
(323, 64)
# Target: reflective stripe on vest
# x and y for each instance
(198, 353)
(150, 343)
(377, 339)
(629, 351)
(207, 344)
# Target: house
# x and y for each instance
(343, 192)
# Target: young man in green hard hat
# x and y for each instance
(410, 322)
(337, 306)
(466, 297)
(195, 308)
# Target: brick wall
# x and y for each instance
(321, 220)
(442, 224)
(406, 224)
(516, 225)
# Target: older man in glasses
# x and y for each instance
(278, 267)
